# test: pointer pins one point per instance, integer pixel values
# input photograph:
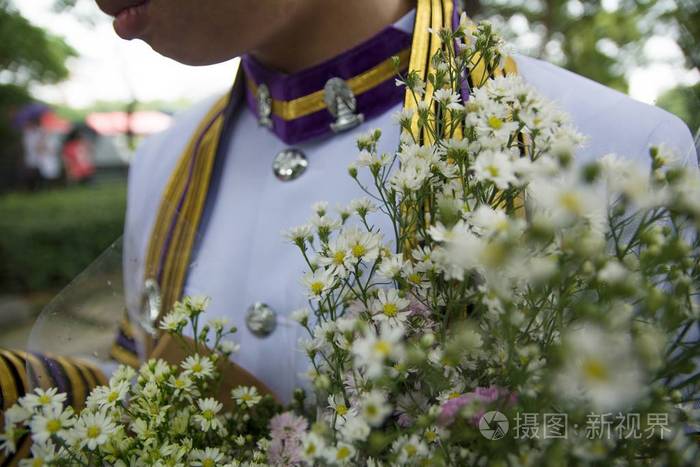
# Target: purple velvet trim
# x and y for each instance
(171, 228)
(56, 370)
(353, 62)
(126, 342)
(371, 103)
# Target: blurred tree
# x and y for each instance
(28, 55)
(683, 101)
(597, 39)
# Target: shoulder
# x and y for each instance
(612, 121)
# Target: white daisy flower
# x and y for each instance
(374, 407)
(318, 282)
(93, 429)
(52, 422)
(313, 447)
(43, 399)
(373, 350)
(388, 305)
(495, 167)
(207, 417)
(354, 429)
(199, 367)
(208, 457)
(342, 454)
(246, 396)
(299, 235)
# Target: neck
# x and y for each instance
(328, 29)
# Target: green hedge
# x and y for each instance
(49, 237)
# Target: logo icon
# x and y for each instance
(493, 425)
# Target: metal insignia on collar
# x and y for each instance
(261, 319)
(289, 164)
(264, 106)
(342, 105)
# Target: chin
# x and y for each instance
(190, 54)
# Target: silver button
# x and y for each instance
(264, 101)
(342, 105)
(150, 306)
(289, 164)
(261, 319)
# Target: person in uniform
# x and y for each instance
(209, 198)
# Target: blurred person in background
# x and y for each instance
(40, 155)
(77, 157)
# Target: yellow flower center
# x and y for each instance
(595, 370)
(339, 257)
(382, 347)
(411, 450)
(208, 414)
(197, 367)
(343, 453)
(495, 122)
(454, 395)
(390, 310)
(37, 462)
(341, 409)
(571, 202)
(414, 278)
(372, 410)
(310, 450)
(179, 383)
(44, 399)
(493, 170)
(52, 426)
(208, 462)
(113, 396)
(94, 431)
(317, 287)
(430, 436)
(358, 250)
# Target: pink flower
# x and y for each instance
(286, 430)
(481, 398)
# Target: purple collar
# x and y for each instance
(297, 100)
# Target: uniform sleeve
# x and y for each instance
(22, 372)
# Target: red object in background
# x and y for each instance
(77, 160)
(140, 123)
(53, 123)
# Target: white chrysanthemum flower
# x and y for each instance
(361, 245)
(41, 454)
(207, 417)
(198, 366)
(318, 282)
(374, 407)
(404, 116)
(246, 396)
(601, 367)
(229, 347)
(320, 208)
(112, 395)
(43, 399)
(496, 167)
(301, 316)
(122, 373)
(410, 176)
(208, 457)
(354, 429)
(410, 450)
(338, 257)
(337, 403)
(53, 421)
(197, 304)
(183, 385)
(93, 429)
(342, 454)
(325, 224)
(446, 97)
(174, 320)
(388, 305)
(391, 266)
(299, 234)
(373, 350)
(17, 414)
(312, 447)
(362, 206)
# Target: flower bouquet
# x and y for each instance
(488, 303)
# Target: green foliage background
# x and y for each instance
(48, 238)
